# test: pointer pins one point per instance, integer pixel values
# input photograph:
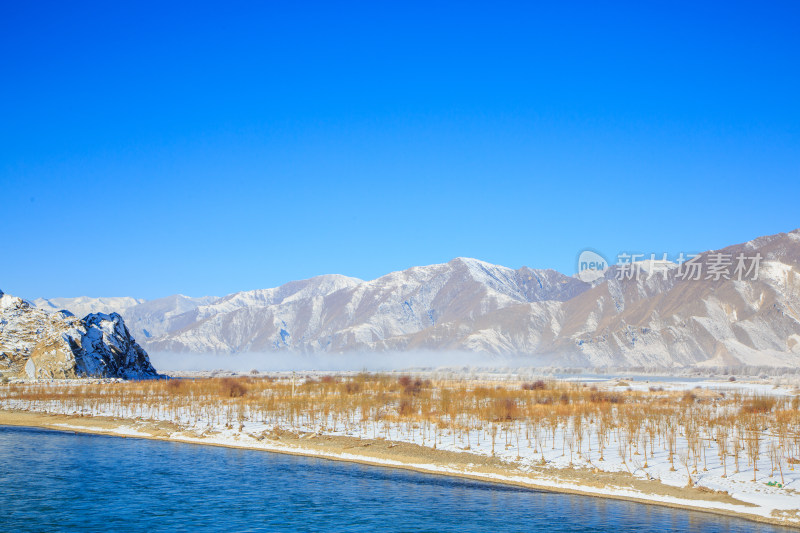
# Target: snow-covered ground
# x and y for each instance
(531, 451)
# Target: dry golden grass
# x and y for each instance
(746, 428)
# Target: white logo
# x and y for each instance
(591, 266)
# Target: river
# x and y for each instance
(51, 480)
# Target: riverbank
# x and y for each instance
(379, 452)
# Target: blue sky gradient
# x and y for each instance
(147, 149)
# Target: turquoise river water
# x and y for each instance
(59, 481)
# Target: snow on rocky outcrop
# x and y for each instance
(37, 344)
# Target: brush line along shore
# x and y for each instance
(726, 450)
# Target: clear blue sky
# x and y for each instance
(150, 149)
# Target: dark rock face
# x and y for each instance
(109, 349)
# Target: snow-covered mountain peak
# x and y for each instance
(84, 305)
(317, 286)
(8, 301)
(655, 318)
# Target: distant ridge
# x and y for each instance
(655, 321)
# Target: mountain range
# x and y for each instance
(656, 318)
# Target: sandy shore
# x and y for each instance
(614, 485)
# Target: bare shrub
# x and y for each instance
(174, 385)
(535, 385)
(405, 408)
(352, 387)
(758, 405)
(605, 397)
(412, 386)
(232, 388)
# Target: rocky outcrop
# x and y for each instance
(36, 344)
